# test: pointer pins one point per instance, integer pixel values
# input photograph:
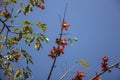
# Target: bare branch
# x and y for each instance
(65, 74)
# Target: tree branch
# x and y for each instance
(53, 65)
(5, 24)
(51, 70)
(110, 67)
(60, 37)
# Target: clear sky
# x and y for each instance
(96, 24)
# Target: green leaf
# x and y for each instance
(19, 11)
(27, 9)
(1, 47)
(75, 39)
(20, 35)
(27, 29)
(15, 16)
(47, 40)
(21, 5)
(42, 26)
(26, 22)
(22, 50)
(84, 63)
(6, 1)
(14, 1)
(16, 30)
(28, 69)
(26, 75)
(18, 74)
(27, 35)
(31, 39)
(25, 54)
(37, 44)
(30, 60)
(42, 1)
(38, 24)
(0, 5)
(72, 40)
(42, 37)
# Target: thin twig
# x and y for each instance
(60, 19)
(5, 24)
(2, 29)
(65, 12)
(65, 74)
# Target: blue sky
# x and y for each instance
(96, 25)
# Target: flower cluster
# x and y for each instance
(79, 76)
(63, 43)
(65, 25)
(59, 50)
(56, 52)
(104, 63)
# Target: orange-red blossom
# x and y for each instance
(65, 25)
(104, 63)
(79, 76)
(56, 52)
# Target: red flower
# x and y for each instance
(56, 52)
(104, 63)
(52, 55)
(17, 57)
(79, 76)
(105, 67)
(58, 41)
(65, 26)
(105, 59)
(63, 43)
(73, 78)
(42, 6)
